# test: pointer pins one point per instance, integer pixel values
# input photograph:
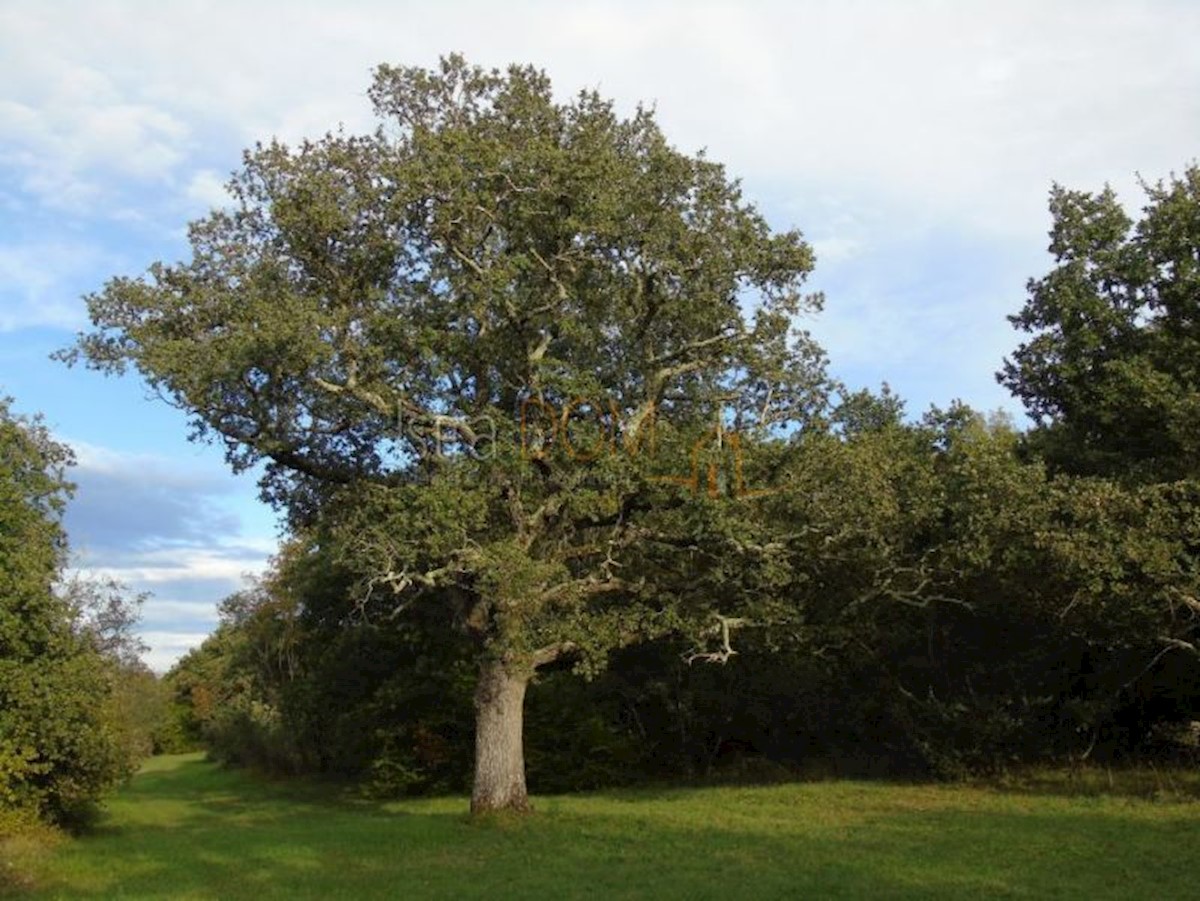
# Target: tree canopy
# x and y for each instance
(500, 351)
(1112, 370)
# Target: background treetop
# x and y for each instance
(1111, 370)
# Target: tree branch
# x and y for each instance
(685, 349)
(551, 653)
(725, 625)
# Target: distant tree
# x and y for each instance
(512, 356)
(1111, 373)
(106, 614)
(198, 684)
(864, 411)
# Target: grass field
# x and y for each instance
(186, 829)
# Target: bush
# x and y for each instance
(247, 732)
(64, 740)
(174, 733)
(58, 751)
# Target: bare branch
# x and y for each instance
(536, 354)
(355, 390)
(1179, 645)
(580, 588)
(1190, 602)
(725, 625)
(562, 289)
(466, 260)
(656, 386)
(685, 349)
(550, 653)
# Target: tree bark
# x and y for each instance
(499, 740)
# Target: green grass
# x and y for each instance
(187, 829)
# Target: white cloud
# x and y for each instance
(38, 280)
(176, 564)
(967, 110)
(146, 466)
(968, 107)
(161, 608)
(207, 189)
(170, 528)
(836, 249)
(168, 647)
(69, 127)
(165, 575)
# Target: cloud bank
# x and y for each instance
(168, 529)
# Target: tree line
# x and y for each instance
(940, 606)
(797, 576)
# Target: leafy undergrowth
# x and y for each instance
(187, 829)
(24, 846)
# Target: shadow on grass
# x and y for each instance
(199, 832)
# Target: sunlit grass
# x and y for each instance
(186, 829)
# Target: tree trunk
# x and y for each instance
(499, 740)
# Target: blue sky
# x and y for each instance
(913, 142)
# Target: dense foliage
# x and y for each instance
(76, 708)
(528, 384)
(950, 608)
(1112, 370)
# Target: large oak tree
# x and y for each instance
(511, 355)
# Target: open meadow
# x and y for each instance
(187, 829)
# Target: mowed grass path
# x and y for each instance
(187, 829)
